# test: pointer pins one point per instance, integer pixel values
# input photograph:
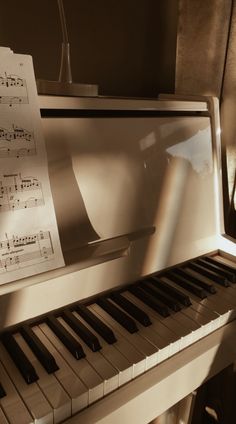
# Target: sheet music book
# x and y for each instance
(29, 239)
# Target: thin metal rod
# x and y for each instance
(63, 21)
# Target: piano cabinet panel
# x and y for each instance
(180, 413)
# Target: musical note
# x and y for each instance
(26, 204)
(22, 251)
(16, 133)
(14, 193)
(16, 142)
(7, 153)
(13, 100)
(13, 90)
(12, 81)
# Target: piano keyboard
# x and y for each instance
(60, 364)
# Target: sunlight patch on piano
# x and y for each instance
(186, 217)
(148, 141)
(167, 214)
(196, 150)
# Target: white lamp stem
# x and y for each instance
(65, 74)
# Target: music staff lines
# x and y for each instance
(26, 240)
(14, 100)
(13, 90)
(21, 251)
(14, 193)
(12, 81)
(16, 142)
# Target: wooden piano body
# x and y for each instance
(137, 189)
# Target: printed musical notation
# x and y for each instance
(16, 133)
(22, 251)
(18, 192)
(24, 177)
(16, 142)
(12, 81)
(13, 90)
(13, 100)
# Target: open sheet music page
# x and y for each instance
(29, 240)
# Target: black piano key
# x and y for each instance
(83, 332)
(177, 294)
(149, 300)
(187, 285)
(105, 332)
(19, 358)
(165, 298)
(121, 317)
(214, 267)
(132, 309)
(209, 274)
(2, 391)
(66, 338)
(197, 280)
(40, 351)
(221, 265)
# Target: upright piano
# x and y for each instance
(143, 311)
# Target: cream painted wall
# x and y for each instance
(127, 47)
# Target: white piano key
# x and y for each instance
(81, 367)
(54, 392)
(212, 302)
(154, 338)
(203, 310)
(228, 294)
(171, 337)
(205, 323)
(220, 299)
(73, 386)
(225, 261)
(206, 317)
(11, 404)
(107, 372)
(3, 419)
(141, 344)
(184, 333)
(233, 287)
(31, 394)
(195, 329)
(196, 324)
(112, 355)
(135, 357)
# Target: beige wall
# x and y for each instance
(127, 47)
